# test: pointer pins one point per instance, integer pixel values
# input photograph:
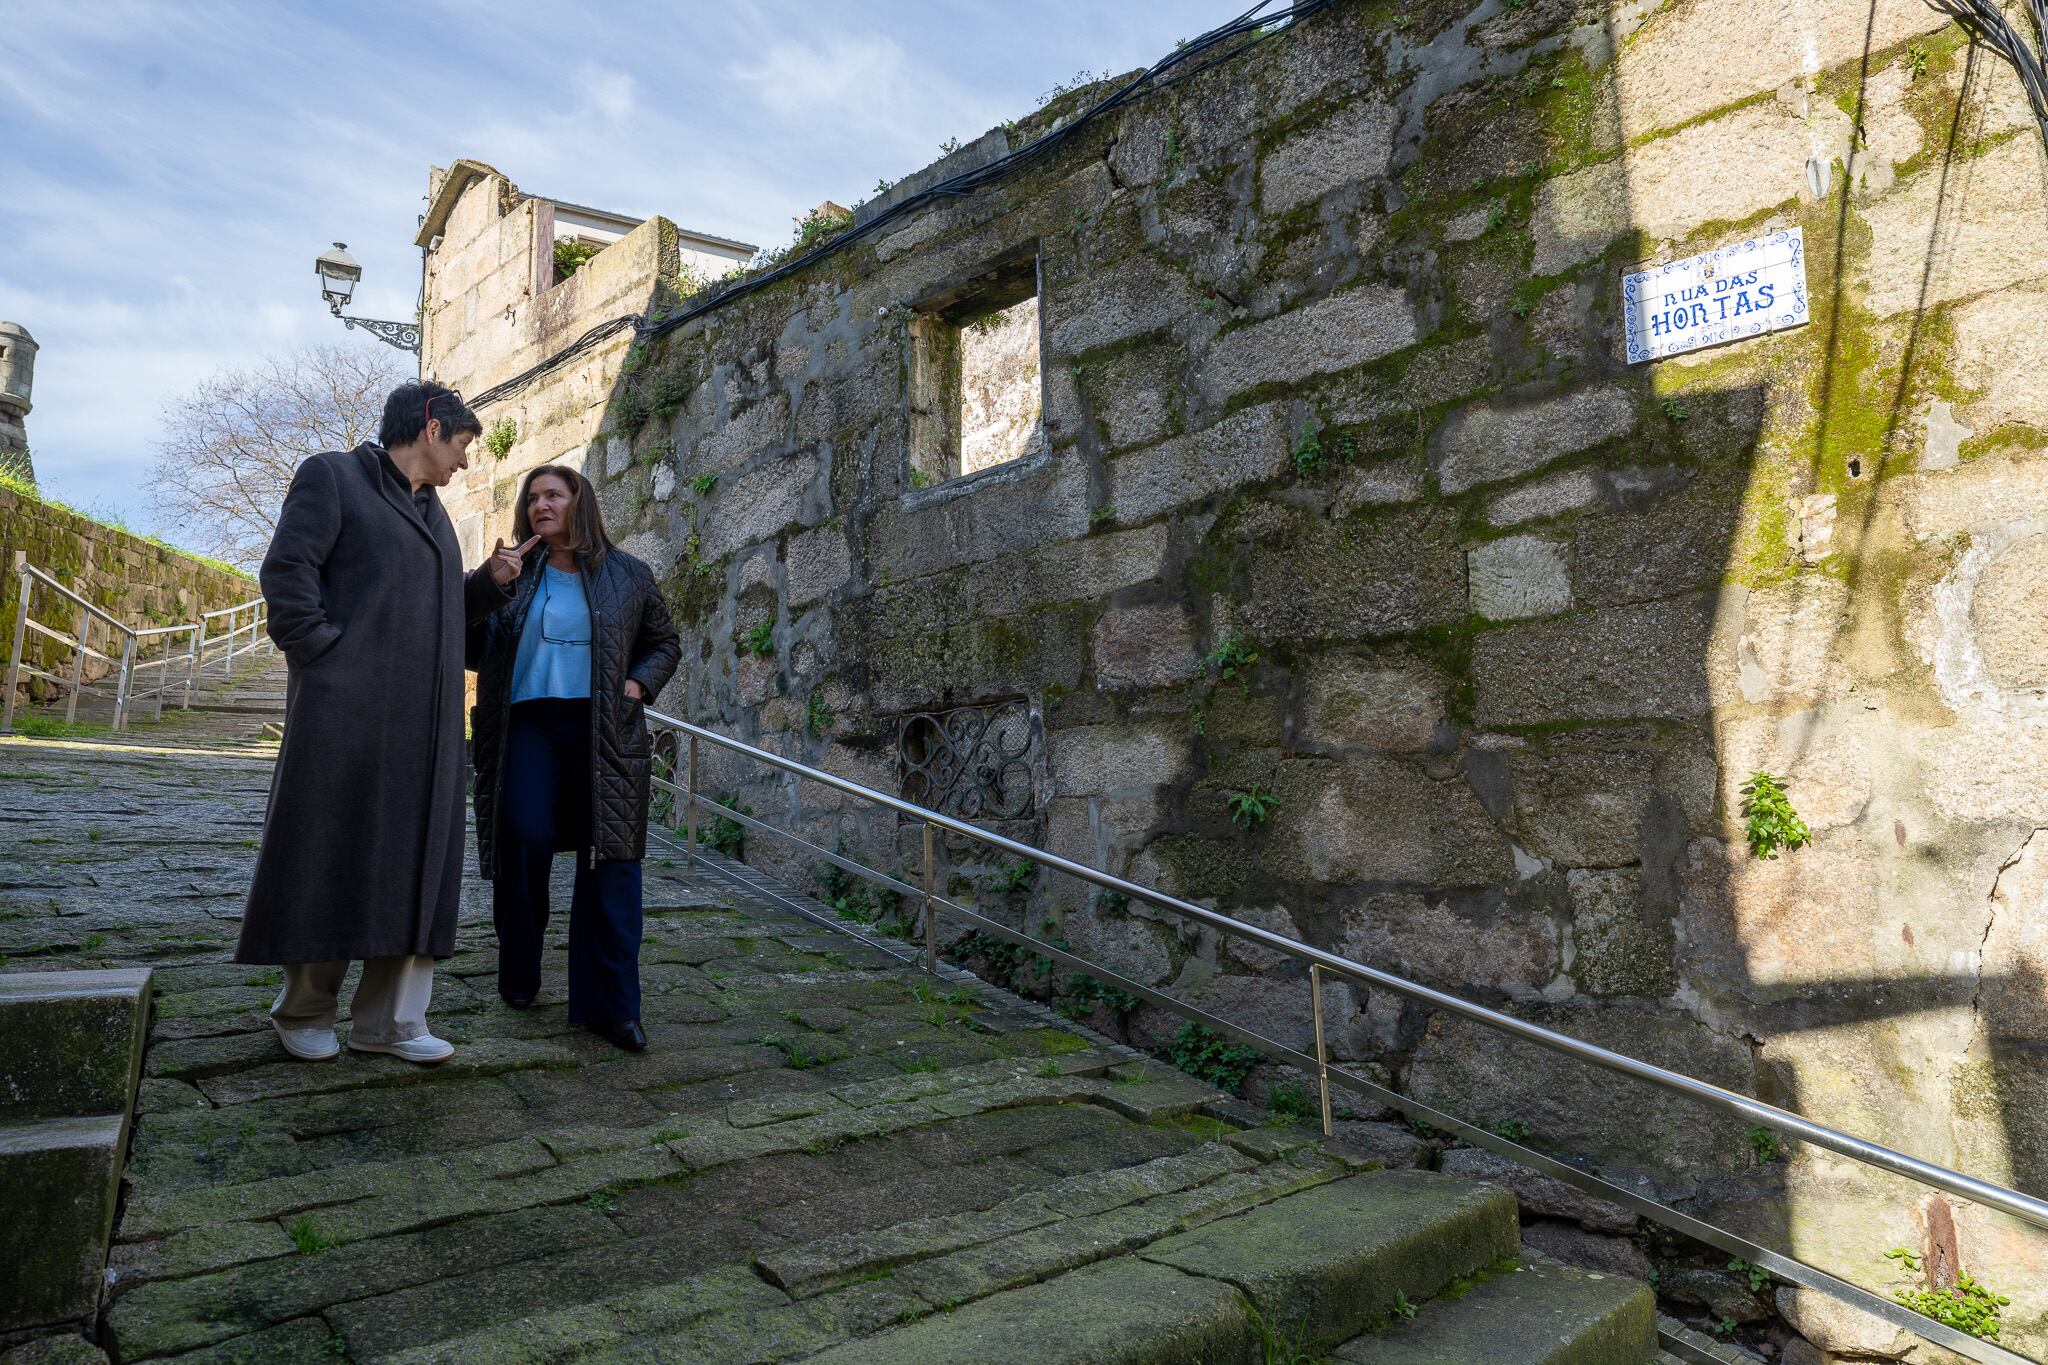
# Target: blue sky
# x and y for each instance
(169, 168)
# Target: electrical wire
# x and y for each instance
(1987, 23)
(1253, 27)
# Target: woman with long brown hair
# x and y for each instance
(564, 671)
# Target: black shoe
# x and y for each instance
(518, 1002)
(622, 1033)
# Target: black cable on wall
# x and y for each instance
(1986, 23)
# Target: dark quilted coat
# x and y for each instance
(632, 638)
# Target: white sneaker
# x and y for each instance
(425, 1049)
(308, 1044)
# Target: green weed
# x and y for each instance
(1252, 806)
(1208, 1056)
(1769, 822)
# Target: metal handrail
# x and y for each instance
(192, 658)
(2011, 1202)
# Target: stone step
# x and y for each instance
(58, 1182)
(1318, 1266)
(67, 1088)
(74, 1042)
(1541, 1313)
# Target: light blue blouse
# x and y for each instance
(554, 644)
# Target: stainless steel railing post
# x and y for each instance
(1315, 989)
(198, 660)
(127, 680)
(690, 804)
(78, 664)
(233, 631)
(931, 927)
(20, 641)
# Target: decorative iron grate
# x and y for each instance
(971, 762)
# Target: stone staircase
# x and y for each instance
(246, 708)
(826, 1154)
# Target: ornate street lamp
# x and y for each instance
(339, 272)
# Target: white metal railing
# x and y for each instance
(683, 787)
(148, 662)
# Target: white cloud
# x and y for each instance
(173, 169)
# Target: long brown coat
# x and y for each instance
(363, 844)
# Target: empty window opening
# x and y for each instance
(977, 400)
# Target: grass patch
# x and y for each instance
(309, 1237)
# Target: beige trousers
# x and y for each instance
(389, 1006)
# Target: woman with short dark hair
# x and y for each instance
(564, 671)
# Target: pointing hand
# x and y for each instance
(506, 561)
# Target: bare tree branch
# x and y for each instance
(230, 446)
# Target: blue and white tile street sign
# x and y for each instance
(1739, 291)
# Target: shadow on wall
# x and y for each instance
(1347, 500)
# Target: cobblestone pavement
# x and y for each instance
(821, 1143)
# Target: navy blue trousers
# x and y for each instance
(544, 808)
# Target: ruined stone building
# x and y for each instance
(17, 381)
(1254, 497)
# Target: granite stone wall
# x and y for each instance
(1347, 502)
(139, 582)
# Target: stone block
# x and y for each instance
(1778, 644)
(1353, 144)
(1333, 1258)
(1725, 169)
(1588, 1317)
(1583, 799)
(1501, 440)
(1517, 577)
(1679, 542)
(1247, 447)
(1341, 580)
(1393, 705)
(1145, 646)
(820, 564)
(1930, 245)
(1619, 946)
(1593, 1251)
(1762, 930)
(758, 429)
(1093, 760)
(1135, 394)
(1646, 661)
(74, 1042)
(1537, 1194)
(1142, 293)
(1482, 1075)
(1469, 941)
(763, 501)
(1653, 89)
(1369, 818)
(1334, 333)
(58, 1181)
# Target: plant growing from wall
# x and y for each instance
(817, 713)
(571, 256)
(1232, 657)
(1251, 806)
(1009, 878)
(1759, 1278)
(1208, 1056)
(1102, 516)
(1769, 822)
(1081, 995)
(500, 437)
(1970, 1307)
(702, 483)
(1763, 1143)
(760, 641)
(1308, 448)
(729, 836)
